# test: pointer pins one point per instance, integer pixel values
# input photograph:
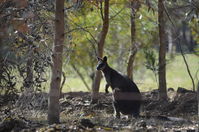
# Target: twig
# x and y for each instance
(101, 11)
(62, 84)
(95, 51)
(81, 76)
(181, 51)
(117, 13)
(87, 32)
(96, 42)
(78, 28)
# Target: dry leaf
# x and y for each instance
(20, 25)
(21, 3)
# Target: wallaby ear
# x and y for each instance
(99, 59)
(105, 59)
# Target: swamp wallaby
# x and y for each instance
(126, 95)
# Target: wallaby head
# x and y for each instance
(102, 63)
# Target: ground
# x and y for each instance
(29, 113)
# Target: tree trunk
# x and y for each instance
(198, 100)
(54, 93)
(133, 50)
(62, 84)
(29, 75)
(120, 63)
(170, 44)
(162, 52)
(102, 37)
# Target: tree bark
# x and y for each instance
(133, 50)
(62, 84)
(29, 75)
(170, 44)
(54, 93)
(198, 100)
(100, 48)
(162, 52)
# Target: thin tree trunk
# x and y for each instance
(29, 77)
(62, 84)
(170, 44)
(180, 48)
(133, 49)
(162, 52)
(102, 37)
(29, 65)
(120, 63)
(54, 93)
(198, 100)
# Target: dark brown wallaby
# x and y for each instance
(126, 95)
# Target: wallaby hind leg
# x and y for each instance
(130, 116)
(117, 114)
(136, 114)
(116, 111)
(106, 88)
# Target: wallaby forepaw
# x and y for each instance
(117, 116)
(107, 91)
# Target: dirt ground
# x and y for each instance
(29, 113)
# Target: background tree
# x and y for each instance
(134, 5)
(100, 47)
(198, 97)
(23, 44)
(54, 93)
(162, 52)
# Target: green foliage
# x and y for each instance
(151, 61)
(26, 37)
(84, 29)
(147, 27)
(194, 25)
(85, 24)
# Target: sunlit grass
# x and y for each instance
(177, 76)
(75, 84)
